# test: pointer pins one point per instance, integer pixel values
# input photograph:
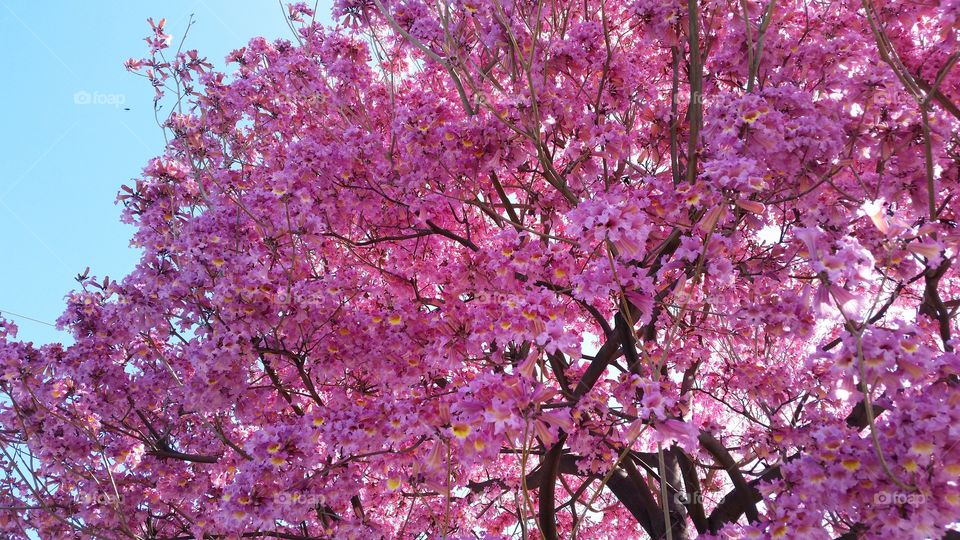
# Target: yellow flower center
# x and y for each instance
(461, 430)
(922, 447)
(850, 464)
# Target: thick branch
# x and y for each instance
(547, 502)
(723, 457)
(738, 500)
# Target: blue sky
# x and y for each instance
(67, 143)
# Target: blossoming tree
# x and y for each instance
(488, 268)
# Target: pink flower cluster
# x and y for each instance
(486, 269)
